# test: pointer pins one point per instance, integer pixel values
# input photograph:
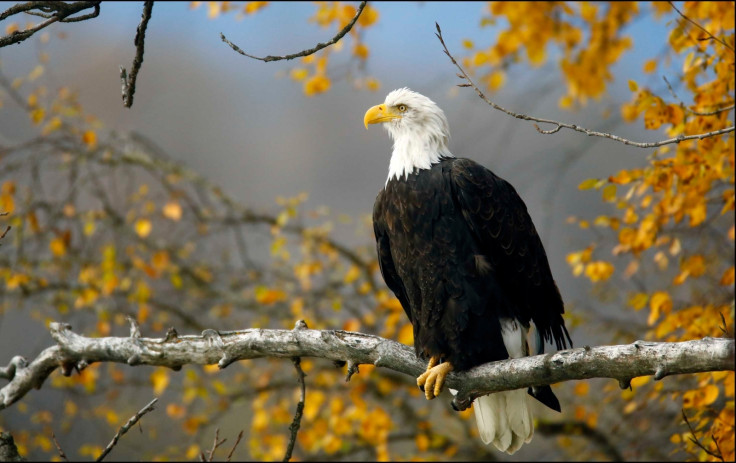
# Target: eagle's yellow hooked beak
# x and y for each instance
(379, 113)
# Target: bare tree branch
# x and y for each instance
(621, 362)
(126, 427)
(296, 424)
(51, 11)
(559, 125)
(694, 439)
(230, 455)
(140, 39)
(215, 445)
(302, 53)
(62, 455)
(711, 36)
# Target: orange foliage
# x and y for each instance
(688, 186)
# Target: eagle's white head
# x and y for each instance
(418, 127)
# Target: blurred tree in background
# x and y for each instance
(106, 226)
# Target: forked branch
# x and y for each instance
(51, 12)
(557, 125)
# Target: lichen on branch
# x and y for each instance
(621, 362)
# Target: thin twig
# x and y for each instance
(124, 428)
(215, 445)
(697, 442)
(302, 53)
(294, 427)
(61, 12)
(62, 455)
(140, 39)
(558, 125)
(229, 455)
(701, 27)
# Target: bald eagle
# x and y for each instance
(458, 248)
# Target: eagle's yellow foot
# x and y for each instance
(432, 380)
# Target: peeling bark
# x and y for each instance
(621, 362)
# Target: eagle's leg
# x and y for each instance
(433, 379)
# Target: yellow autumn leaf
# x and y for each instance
(252, 7)
(639, 381)
(368, 17)
(638, 301)
(629, 113)
(37, 115)
(317, 84)
(88, 450)
(143, 227)
(143, 312)
(89, 228)
(312, 405)
(267, 296)
(352, 324)
(160, 260)
(467, 43)
(694, 265)
(112, 417)
(160, 380)
(17, 280)
(58, 246)
(496, 80)
(172, 210)
(633, 86)
(372, 84)
(699, 398)
(609, 193)
(352, 274)
(565, 102)
(535, 53)
(35, 73)
(728, 277)
(659, 303)
(361, 51)
(192, 452)
(599, 271)
(299, 74)
(697, 214)
(213, 9)
(588, 184)
(422, 442)
(90, 138)
(581, 388)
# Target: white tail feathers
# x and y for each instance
(505, 419)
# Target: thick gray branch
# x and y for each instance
(622, 362)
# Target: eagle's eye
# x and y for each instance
(402, 108)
